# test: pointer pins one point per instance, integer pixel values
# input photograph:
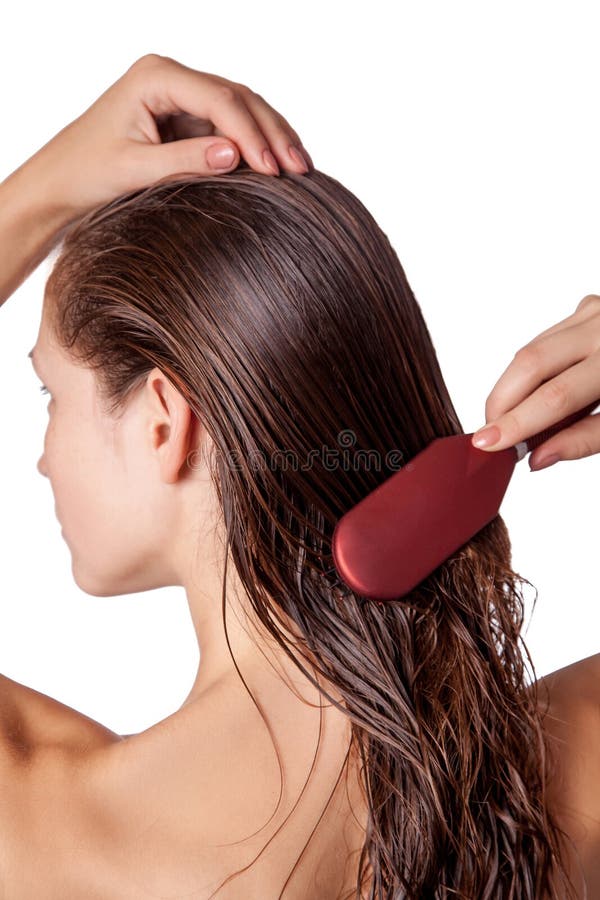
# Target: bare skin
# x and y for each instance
(147, 815)
(573, 720)
(146, 811)
(145, 826)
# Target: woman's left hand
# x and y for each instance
(160, 119)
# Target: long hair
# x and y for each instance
(280, 310)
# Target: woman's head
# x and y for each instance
(134, 494)
(120, 483)
(245, 309)
(262, 331)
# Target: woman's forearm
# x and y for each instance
(31, 224)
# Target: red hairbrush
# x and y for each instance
(403, 530)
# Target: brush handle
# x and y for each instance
(524, 447)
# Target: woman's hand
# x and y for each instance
(556, 374)
(161, 119)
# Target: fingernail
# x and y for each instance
(220, 156)
(298, 158)
(544, 462)
(306, 156)
(270, 162)
(486, 437)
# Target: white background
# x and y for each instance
(471, 132)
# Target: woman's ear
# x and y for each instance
(174, 427)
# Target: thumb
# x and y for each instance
(202, 155)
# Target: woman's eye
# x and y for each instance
(44, 389)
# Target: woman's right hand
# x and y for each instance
(554, 375)
(159, 120)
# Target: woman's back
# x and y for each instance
(88, 813)
(92, 814)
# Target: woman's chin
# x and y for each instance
(84, 579)
(91, 586)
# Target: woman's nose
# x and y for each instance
(41, 466)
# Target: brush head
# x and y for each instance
(403, 530)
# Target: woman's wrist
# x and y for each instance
(32, 221)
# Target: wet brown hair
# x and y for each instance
(279, 309)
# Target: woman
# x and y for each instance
(211, 344)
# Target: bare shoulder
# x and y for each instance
(572, 720)
(579, 681)
(32, 722)
(43, 744)
(68, 782)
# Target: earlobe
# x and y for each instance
(175, 449)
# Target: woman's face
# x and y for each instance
(109, 497)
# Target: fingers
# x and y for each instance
(546, 372)
(278, 131)
(585, 309)
(576, 442)
(555, 375)
(554, 400)
(540, 359)
(173, 160)
(245, 118)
